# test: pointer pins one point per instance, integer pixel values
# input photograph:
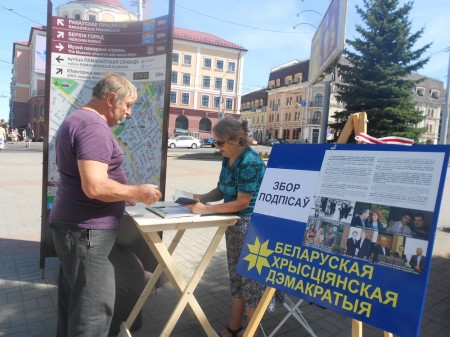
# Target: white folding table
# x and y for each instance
(149, 224)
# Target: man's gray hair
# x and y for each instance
(112, 82)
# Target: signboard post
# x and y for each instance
(314, 233)
(80, 53)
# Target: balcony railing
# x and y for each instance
(313, 120)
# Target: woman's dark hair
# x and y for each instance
(229, 128)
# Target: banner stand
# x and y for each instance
(259, 312)
(356, 123)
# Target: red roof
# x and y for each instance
(116, 3)
(206, 38)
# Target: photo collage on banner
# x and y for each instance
(391, 236)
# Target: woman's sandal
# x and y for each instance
(233, 333)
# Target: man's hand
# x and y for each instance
(148, 194)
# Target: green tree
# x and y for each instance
(374, 73)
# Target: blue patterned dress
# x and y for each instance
(245, 176)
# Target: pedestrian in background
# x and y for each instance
(238, 186)
(2, 136)
(29, 135)
(90, 201)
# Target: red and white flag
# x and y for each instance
(366, 139)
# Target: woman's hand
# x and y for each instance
(198, 208)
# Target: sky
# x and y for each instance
(264, 28)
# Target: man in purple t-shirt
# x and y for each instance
(91, 199)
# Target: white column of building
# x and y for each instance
(197, 79)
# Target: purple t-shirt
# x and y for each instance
(85, 135)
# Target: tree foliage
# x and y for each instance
(374, 74)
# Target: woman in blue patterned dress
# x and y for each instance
(238, 186)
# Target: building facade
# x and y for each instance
(294, 109)
(429, 95)
(206, 81)
(28, 81)
(206, 72)
(27, 103)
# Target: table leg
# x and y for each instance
(259, 312)
(187, 297)
(150, 285)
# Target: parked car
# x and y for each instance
(209, 141)
(183, 141)
(272, 141)
(283, 141)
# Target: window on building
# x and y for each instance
(229, 104)
(185, 98)
(217, 102)
(231, 66)
(219, 64)
(277, 82)
(278, 117)
(435, 94)
(174, 77)
(315, 136)
(187, 79)
(187, 59)
(207, 62)
(318, 100)
(316, 117)
(92, 18)
(77, 16)
(173, 97)
(206, 81)
(205, 125)
(420, 91)
(175, 58)
(218, 83)
(205, 100)
(230, 85)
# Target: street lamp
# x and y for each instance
(309, 10)
(304, 23)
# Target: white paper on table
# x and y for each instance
(183, 194)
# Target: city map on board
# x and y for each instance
(139, 137)
(81, 53)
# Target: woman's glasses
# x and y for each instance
(219, 143)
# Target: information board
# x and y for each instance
(81, 52)
(350, 228)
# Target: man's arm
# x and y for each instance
(97, 185)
